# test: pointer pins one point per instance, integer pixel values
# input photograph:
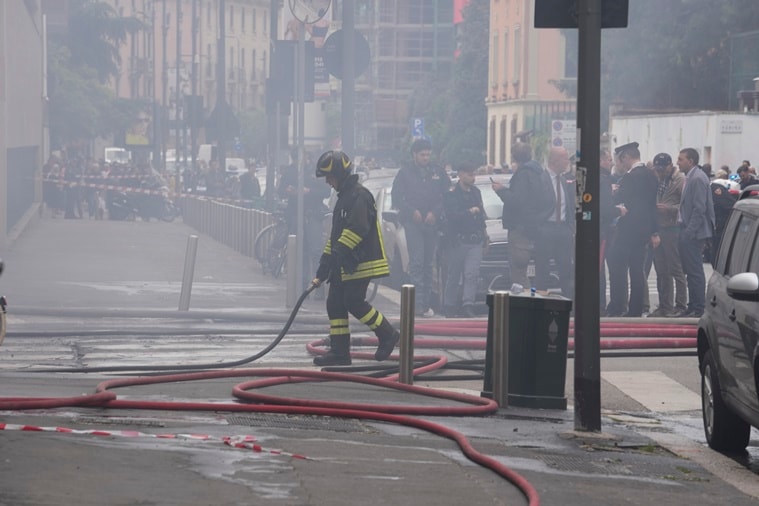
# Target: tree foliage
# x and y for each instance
(253, 128)
(95, 35)
(681, 55)
(454, 106)
(466, 125)
(81, 106)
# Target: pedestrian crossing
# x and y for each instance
(654, 390)
(127, 351)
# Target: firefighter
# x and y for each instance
(354, 254)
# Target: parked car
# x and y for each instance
(728, 332)
(494, 268)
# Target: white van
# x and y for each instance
(117, 155)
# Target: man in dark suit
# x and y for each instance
(637, 227)
(557, 233)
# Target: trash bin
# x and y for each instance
(538, 328)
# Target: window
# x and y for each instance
(253, 66)
(253, 21)
(242, 57)
(242, 19)
(727, 240)
(266, 25)
(505, 77)
(517, 53)
(231, 18)
(494, 60)
(740, 251)
(754, 262)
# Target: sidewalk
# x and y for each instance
(134, 270)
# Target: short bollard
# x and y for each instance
(406, 375)
(189, 270)
(501, 349)
(292, 271)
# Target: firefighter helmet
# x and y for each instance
(334, 163)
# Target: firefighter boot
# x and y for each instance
(338, 354)
(386, 346)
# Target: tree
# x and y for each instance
(465, 136)
(253, 128)
(682, 54)
(81, 106)
(95, 35)
(453, 106)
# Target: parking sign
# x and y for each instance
(417, 128)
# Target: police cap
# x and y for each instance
(630, 146)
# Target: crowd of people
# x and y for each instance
(666, 214)
(678, 218)
(74, 188)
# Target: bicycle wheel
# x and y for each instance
(262, 242)
(278, 260)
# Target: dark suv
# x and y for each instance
(728, 333)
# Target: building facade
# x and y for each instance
(524, 65)
(22, 131)
(409, 41)
(173, 61)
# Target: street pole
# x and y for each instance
(348, 130)
(194, 86)
(164, 84)
(587, 380)
(275, 116)
(178, 148)
(300, 80)
(221, 86)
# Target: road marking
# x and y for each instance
(654, 390)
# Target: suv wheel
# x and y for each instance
(724, 430)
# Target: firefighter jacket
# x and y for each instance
(354, 249)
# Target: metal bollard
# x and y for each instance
(292, 271)
(406, 375)
(501, 349)
(189, 271)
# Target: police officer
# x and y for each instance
(636, 227)
(466, 237)
(354, 254)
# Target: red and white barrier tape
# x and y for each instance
(147, 191)
(241, 442)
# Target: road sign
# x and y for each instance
(564, 13)
(564, 134)
(417, 128)
(333, 54)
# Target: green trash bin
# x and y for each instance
(538, 328)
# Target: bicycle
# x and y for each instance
(270, 246)
(270, 250)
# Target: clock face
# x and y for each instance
(309, 11)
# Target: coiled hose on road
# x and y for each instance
(105, 397)
(400, 414)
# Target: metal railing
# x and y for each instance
(230, 224)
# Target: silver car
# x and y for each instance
(728, 333)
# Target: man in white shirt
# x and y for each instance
(557, 233)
